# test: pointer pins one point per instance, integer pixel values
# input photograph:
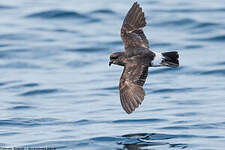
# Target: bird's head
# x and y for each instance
(117, 58)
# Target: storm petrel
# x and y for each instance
(137, 58)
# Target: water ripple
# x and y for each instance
(51, 14)
(205, 25)
(196, 126)
(103, 11)
(186, 114)
(104, 139)
(193, 46)
(21, 107)
(220, 72)
(39, 92)
(110, 88)
(20, 65)
(134, 141)
(76, 64)
(155, 44)
(152, 120)
(8, 82)
(12, 53)
(6, 7)
(87, 50)
(27, 85)
(131, 142)
(84, 122)
(75, 104)
(191, 10)
(4, 45)
(17, 36)
(138, 140)
(8, 134)
(218, 38)
(175, 90)
(166, 70)
(219, 63)
(61, 14)
(25, 122)
(180, 22)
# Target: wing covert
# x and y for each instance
(131, 31)
(131, 90)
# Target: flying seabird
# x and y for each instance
(136, 59)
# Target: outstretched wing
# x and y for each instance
(131, 31)
(131, 82)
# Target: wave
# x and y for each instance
(164, 70)
(129, 141)
(21, 107)
(191, 10)
(110, 88)
(155, 44)
(207, 25)
(11, 53)
(197, 126)
(84, 122)
(8, 82)
(56, 14)
(39, 92)
(6, 7)
(25, 122)
(180, 22)
(17, 36)
(26, 85)
(214, 72)
(220, 63)
(20, 65)
(192, 46)
(77, 63)
(7, 134)
(186, 114)
(61, 14)
(218, 38)
(139, 120)
(103, 11)
(4, 45)
(174, 90)
(87, 50)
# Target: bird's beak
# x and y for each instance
(110, 63)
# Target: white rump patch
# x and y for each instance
(157, 59)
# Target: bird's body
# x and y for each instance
(136, 59)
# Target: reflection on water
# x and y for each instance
(57, 89)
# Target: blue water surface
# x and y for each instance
(56, 89)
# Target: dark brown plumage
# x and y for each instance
(136, 59)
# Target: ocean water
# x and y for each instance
(57, 90)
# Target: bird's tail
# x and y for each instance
(170, 59)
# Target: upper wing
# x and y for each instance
(131, 31)
(131, 82)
